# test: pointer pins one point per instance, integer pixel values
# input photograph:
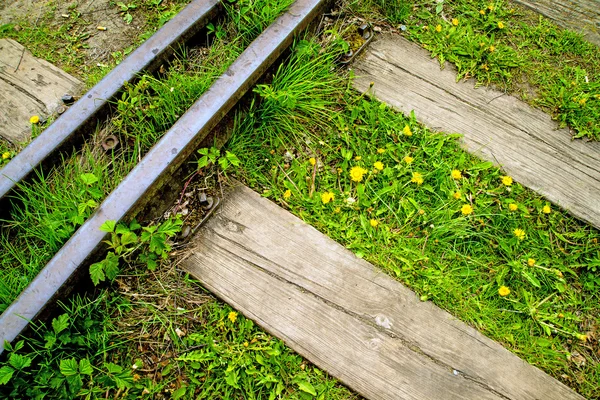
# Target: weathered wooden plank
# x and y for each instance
(497, 127)
(347, 317)
(28, 86)
(578, 15)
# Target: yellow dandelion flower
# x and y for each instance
(456, 174)
(232, 316)
(337, 210)
(378, 165)
(466, 209)
(417, 178)
(312, 161)
(374, 223)
(455, 21)
(491, 7)
(407, 130)
(546, 209)
(482, 12)
(357, 173)
(581, 337)
(421, 212)
(457, 195)
(582, 101)
(492, 49)
(530, 262)
(513, 207)
(408, 159)
(287, 194)
(507, 180)
(503, 291)
(380, 151)
(327, 197)
(438, 28)
(357, 158)
(34, 119)
(6, 155)
(500, 25)
(519, 233)
(485, 67)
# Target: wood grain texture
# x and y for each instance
(578, 15)
(497, 127)
(28, 86)
(346, 316)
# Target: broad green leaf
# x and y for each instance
(113, 368)
(69, 367)
(179, 393)
(128, 238)
(85, 367)
(232, 158)
(18, 346)
(91, 203)
(61, 323)
(97, 273)
(231, 378)
(202, 162)
(307, 387)
(6, 373)
(89, 178)
(481, 166)
(121, 229)
(18, 361)
(81, 207)
(134, 225)
(111, 265)
(108, 226)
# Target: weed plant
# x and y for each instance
(514, 49)
(157, 336)
(54, 206)
(453, 228)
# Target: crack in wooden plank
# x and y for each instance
(26, 93)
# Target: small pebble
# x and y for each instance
(68, 99)
(61, 109)
(185, 231)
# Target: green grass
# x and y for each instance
(157, 336)
(63, 41)
(506, 46)
(53, 207)
(383, 185)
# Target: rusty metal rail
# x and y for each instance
(161, 162)
(146, 57)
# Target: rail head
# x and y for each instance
(145, 57)
(164, 158)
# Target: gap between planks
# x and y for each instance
(497, 127)
(347, 317)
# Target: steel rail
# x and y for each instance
(161, 161)
(146, 57)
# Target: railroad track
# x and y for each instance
(160, 163)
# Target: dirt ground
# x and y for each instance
(90, 15)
